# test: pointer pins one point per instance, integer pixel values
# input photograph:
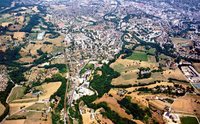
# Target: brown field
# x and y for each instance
(103, 120)
(15, 107)
(196, 66)
(2, 109)
(33, 48)
(138, 122)
(181, 41)
(21, 121)
(112, 103)
(139, 99)
(159, 104)
(26, 59)
(47, 48)
(187, 104)
(15, 27)
(19, 36)
(176, 74)
(98, 117)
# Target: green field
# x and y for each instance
(17, 93)
(38, 107)
(138, 56)
(189, 120)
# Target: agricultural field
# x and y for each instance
(181, 41)
(188, 120)
(124, 65)
(16, 93)
(20, 121)
(128, 70)
(2, 109)
(176, 74)
(48, 89)
(141, 56)
(187, 104)
(196, 66)
(37, 106)
(113, 104)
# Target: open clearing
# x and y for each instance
(196, 66)
(187, 104)
(16, 93)
(112, 103)
(48, 89)
(142, 56)
(175, 74)
(123, 65)
(131, 78)
(20, 121)
(37, 106)
(181, 41)
(2, 109)
(15, 107)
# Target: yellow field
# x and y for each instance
(49, 89)
(19, 36)
(187, 104)
(196, 66)
(176, 74)
(2, 109)
(27, 59)
(15, 107)
(21, 121)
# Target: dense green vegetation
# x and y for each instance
(75, 113)
(134, 109)
(102, 83)
(43, 58)
(4, 95)
(189, 120)
(142, 56)
(113, 116)
(61, 67)
(144, 73)
(34, 20)
(56, 118)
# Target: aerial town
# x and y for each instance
(99, 62)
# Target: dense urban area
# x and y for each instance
(99, 62)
